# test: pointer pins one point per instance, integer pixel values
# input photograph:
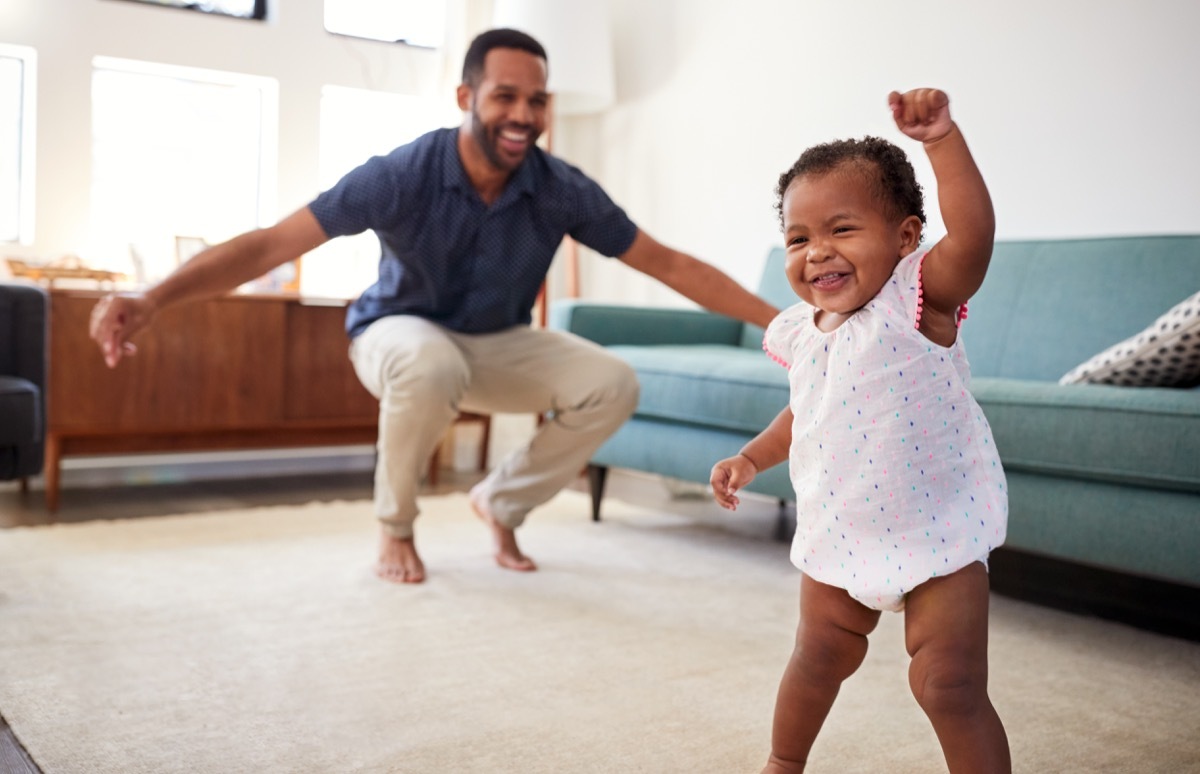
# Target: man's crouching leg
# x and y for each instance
(398, 558)
(418, 375)
(508, 554)
(584, 394)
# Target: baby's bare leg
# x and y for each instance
(831, 643)
(946, 632)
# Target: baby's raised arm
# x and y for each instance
(956, 265)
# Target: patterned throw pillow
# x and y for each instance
(1167, 354)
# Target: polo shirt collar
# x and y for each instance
(454, 175)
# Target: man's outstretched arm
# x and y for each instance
(707, 285)
(213, 272)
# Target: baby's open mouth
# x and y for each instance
(828, 280)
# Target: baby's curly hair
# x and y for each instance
(893, 180)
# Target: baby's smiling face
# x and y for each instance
(842, 246)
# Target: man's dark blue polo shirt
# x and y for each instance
(448, 257)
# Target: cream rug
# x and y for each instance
(259, 641)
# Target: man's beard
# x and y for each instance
(488, 142)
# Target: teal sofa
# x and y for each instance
(1104, 481)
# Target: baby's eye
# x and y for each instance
(842, 229)
(798, 240)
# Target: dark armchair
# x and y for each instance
(23, 367)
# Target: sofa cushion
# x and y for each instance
(774, 288)
(1166, 354)
(1147, 532)
(1049, 305)
(613, 324)
(729, 387)
(1098, 432)
(20, 412)
(686, 452)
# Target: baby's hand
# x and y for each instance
(728, 476)
(922, 114)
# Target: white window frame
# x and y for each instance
(419, 23)
(213, 7)
(27, 155)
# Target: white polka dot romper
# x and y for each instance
(896, 474)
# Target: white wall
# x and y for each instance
(1082, 114)
(291, 47)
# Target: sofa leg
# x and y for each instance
(785, 523)
(596, 476)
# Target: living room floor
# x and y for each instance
(17, 509)
(1013, 573)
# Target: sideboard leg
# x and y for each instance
(51, 472)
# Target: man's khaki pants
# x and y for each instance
(423, 374)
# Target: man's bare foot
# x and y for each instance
(398, 560)
(507, 554)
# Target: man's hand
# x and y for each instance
(115, 319)
(922, 114)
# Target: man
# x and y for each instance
(469, 220)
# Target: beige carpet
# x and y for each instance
(259, 641)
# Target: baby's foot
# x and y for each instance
(398, 560)
(508, 555)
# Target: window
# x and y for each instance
(415, 22)
(177, 152)
(355, 125)
(245, 9)
(18, 110)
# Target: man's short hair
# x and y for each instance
(498, 38)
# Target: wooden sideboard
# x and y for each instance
(238, 372)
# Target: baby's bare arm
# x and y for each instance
(956, 265)
(766, 450)
(770, 447)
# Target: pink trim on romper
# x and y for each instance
(771, 354)
(959, 316)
